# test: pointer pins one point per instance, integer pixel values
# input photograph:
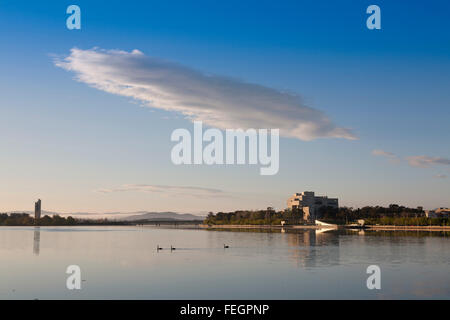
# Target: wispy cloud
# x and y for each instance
(426, 161)
(389, 155)
(383, 153)
(414, 161)
(198, 192)
(217, 101)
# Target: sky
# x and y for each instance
(86, 115)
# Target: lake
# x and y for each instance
(123, 263)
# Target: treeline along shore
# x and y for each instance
(24, 219)
(394, 215)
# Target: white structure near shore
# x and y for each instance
(310, 204)
(438, 213)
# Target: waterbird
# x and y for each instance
(172, 248)
(225, 246)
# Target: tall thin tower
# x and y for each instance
(37, 211)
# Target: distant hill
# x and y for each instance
(161, 216)
(125, 216)
(43, 213)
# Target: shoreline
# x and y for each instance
(257, 226)
(409, 228)
(318, 227)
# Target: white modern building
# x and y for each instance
(310, 204)
(438, 213)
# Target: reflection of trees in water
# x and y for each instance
(36, 240)
(402, 233)
(317, 248)
(395, 247)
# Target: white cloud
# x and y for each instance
(217, 101)
(189, 191)
(426, 161)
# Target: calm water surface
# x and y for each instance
(122, 263)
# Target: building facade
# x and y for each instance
(310, 204)
(37, 210)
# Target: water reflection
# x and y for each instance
(294, 264)
(36, 240)
(305, 253)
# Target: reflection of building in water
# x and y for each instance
(36, 240)
(314, 248)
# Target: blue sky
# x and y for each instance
(63, 140)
